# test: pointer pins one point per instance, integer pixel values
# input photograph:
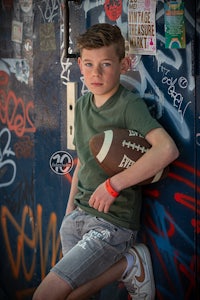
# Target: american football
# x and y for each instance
(117, 149)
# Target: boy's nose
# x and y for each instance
(97, 70)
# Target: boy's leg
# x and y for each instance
(139, 281)
(92, 287)
(52, 287)
(99, 249)
(59, 288)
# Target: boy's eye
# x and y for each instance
(106, 64)
(88, 64)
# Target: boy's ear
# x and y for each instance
(80, 64)
(125, 65)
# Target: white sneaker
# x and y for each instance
(139, 281)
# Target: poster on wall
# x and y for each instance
(17, 31)
(142, 27)
(174, 24)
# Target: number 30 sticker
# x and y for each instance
(61, 162)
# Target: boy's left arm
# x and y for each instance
(160, 155)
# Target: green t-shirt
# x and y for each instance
(123, 110)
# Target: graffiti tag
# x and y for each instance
(15, 113)
(7, 165)
(177, 97)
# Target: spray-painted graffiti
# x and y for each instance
(65, 62)
(32, 240)
(177, 106)
(163, 226)
(49, 9)
(7, 165)
(19, 67)
(177, 97)
(14, 112)
(170, 257)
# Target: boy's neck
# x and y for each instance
(100, 100)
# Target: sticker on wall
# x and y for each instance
(174, 24)
(28, 48)
(61, 162)
(142, 27)
(113, 9)
(25, 5)
(17, 30)
(47, 37)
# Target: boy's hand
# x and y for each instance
(101, 199)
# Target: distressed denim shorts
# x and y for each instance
(90, 246)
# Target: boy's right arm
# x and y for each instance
(74, 189)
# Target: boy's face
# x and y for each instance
(101, 69)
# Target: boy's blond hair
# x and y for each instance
(100, 35)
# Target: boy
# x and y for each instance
(99, 229)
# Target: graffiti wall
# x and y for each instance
(34, 186)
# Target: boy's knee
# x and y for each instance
(39, 295)
(35, 296)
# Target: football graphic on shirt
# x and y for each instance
(117, 149)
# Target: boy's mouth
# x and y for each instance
(96, 84)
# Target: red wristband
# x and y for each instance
(110, 189)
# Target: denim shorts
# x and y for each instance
(90, 246)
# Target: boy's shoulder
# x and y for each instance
(83, 98)
(128, 94)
